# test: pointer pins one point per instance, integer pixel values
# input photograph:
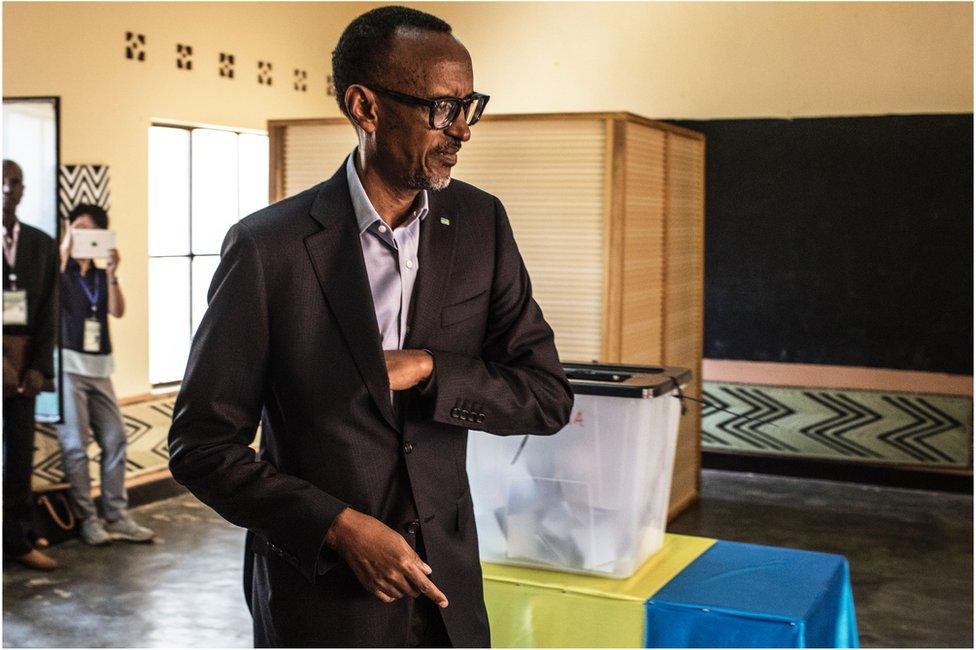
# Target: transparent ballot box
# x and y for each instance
(593, 498)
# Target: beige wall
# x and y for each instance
(723, 59)
(663, 60)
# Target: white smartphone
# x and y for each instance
(89, 243)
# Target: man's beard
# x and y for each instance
(421, 181)
(418, 180)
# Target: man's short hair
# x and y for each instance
(98, 215)
(365, 45)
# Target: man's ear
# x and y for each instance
(361, 105)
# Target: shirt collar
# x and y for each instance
(366, 214)
(15, 231)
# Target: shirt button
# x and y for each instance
(382, 228)
(407, 447)
(409, 264)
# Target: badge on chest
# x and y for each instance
(15, 307)
(93, 336)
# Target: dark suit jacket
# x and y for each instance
(290, 338)
(37, 273)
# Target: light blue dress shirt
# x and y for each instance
(391, 259)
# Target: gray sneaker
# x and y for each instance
(93, 532)
(128, 530)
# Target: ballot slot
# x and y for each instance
(593, 497)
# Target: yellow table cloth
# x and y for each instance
(540, 608)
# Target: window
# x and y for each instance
(30, 139)
(201, 181)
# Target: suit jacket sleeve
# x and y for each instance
(46, 329)
(219, 407)
(518, 385)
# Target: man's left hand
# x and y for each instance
(407, 368)
(32, 384)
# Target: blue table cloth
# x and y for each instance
(745, 595)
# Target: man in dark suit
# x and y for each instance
(30, 275)
(368, 322)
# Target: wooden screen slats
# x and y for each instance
(643, 250)
(684, 294)
(313, 152)
(549, 175)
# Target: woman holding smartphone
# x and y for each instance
(88, 295)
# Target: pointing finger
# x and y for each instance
(428, 588)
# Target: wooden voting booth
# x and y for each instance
(608, 212)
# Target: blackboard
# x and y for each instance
(842, 241)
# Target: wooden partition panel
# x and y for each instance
(684, 286)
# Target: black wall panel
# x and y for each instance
(842, 241)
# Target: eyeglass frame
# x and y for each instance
(431, 104)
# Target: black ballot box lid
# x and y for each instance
(613, 380)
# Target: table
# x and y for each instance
(695, 592)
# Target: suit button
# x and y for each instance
(464, 414)
(407, 447)
(413, 527)
(455, 412)
(481, 418)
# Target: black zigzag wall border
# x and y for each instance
(146, 433)
(83, 184)
(855, 425)
(146, 429)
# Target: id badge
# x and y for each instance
(93, 336)
(15, 307)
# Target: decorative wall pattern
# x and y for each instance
(264, 73)
(135, 49)
(184, 56)
(146, 430)
(855, 425)
(135, 46)
(894, 428)
(226, 68)
(301, 80)
(83, 184)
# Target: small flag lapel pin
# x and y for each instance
(445, 221)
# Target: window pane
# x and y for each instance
(252, 171)
(169, 191)
(214, 188)
(169, 318)
(203, 270)
(30, 139)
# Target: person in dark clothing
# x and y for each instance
(30, 273)
(367, 324)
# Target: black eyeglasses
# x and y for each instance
(442, 111)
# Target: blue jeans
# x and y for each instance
(90, 406)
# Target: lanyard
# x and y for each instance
(10, 251)
(92, 297)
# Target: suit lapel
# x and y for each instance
(436, 255)
(337, 258)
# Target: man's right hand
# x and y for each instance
(381, 559)
(67, 241)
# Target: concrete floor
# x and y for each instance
(911, 556)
